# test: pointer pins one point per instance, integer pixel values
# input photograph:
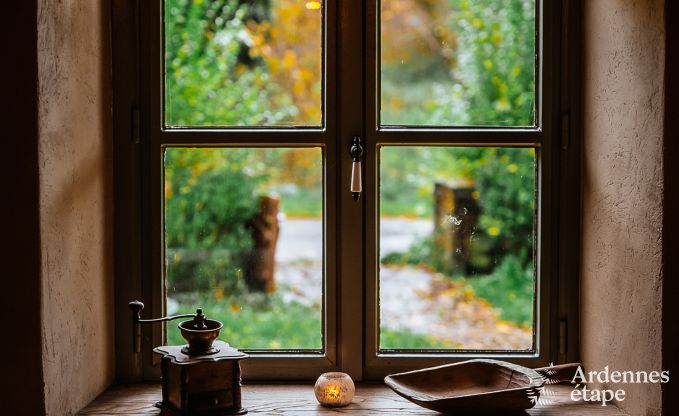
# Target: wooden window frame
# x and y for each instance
(378, 365)
(351, 343)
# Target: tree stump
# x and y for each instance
(455, 218)
(264, 228)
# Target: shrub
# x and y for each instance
(212, 77)
(509, 289)
(208, 201)
(495, 60)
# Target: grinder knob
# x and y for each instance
(199, 319)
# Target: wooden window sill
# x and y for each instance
(298, 399)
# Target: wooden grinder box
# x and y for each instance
(204, 385)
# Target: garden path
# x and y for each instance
(412, 298)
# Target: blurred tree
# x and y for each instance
(496, 60)
(496, 68)
(417, 54)
(212, 78)
(290, 45)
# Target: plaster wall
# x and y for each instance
(75, 179)
(622, 189)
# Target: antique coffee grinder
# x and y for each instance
(201, 378)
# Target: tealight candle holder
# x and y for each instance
(334, 389)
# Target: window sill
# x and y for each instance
(295, 399)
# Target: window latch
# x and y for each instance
(356, 152)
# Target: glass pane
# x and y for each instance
(456, 248)
(243, 63)
(244, 241)
(457, 62)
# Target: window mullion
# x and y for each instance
(349, 71)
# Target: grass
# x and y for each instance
(302, 202)
(404, 339)
(257, 321)
(509, 289)
(405, 207)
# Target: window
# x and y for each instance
(247, 112)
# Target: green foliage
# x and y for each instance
(208, 202)
(407, 177)
(509, 289)
(505, 181)
(418, 254)
(424, 253)
(496, 43)
(211, 79)
(420, 93)
(472, 63)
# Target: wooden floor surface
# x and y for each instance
(298, 399)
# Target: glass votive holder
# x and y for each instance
(334, 389)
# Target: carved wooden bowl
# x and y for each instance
(470, 387)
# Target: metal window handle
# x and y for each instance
(356, 152)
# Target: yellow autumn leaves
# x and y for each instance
(290, 45)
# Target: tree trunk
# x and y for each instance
(455, 218)
(264, 228)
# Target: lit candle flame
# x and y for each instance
(332, 392)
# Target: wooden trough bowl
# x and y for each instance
(471, 387)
